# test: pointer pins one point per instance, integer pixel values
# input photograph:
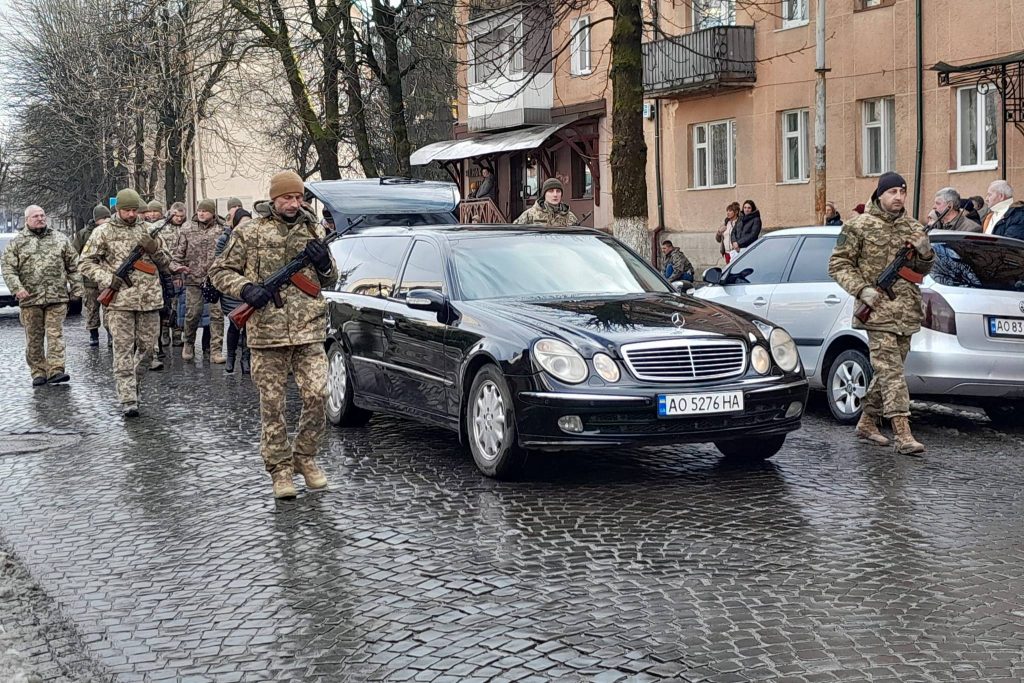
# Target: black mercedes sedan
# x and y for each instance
(528, 339)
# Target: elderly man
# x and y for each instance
(999, 198)
(285, 340)
(134, 314)
(949, 215)
(193, 254)
(40, 266)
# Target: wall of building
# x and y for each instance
(871, 54)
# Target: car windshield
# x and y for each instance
(979, 264)
(549, 265)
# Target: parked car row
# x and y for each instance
(970, 349)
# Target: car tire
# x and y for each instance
(491, 426)
(752, 449)
(339, 407)
(1008, 413)
(846, 384)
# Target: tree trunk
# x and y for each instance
(354, 94)
(629, 149)
(391, 75)
(174, 168)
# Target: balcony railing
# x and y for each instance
(711, 57)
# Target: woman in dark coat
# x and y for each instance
(236, 337)
(748, 229)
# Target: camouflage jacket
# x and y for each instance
(79, 241)
(107, 249)
(554, 217)
(44, 264)
(680, 265)
(867, 244)
(253, 253)
(196, 248)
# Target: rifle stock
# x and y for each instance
(240, 316)
(106, 297)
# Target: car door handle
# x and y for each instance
(760, 301)
(832, 299)
(389, 321)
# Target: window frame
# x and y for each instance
(737, 264)
(790, 277)
(580, 47)
(709, 156)
(697, 19)
(887, 135)
(790, 22)
(801, 134)
(979, 130)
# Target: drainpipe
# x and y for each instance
(820, 177)
(920, 109)
(656, 235)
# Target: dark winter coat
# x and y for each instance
(747, 230)
(1012, 222)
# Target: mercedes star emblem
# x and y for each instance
(679, 321)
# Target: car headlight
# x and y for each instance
(784, 350)
(560, 360)
(606, 367)
(760, 359)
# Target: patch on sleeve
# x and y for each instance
(841, 240)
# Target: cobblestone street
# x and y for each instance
(162, 551)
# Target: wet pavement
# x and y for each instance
(159, 543)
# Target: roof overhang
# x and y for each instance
(485, 145)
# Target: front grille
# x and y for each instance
(686, 360)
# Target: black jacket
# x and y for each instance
(834, 221)
(747, 229)
(1012, 222)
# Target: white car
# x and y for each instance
(971, 346)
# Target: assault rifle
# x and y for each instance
(133, 262)
(893, 272)
(290, 273)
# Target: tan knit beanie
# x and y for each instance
(286, 182)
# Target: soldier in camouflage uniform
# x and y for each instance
(154, 213)
(100, 215)
(134, 314)
(867, 244)
(549, 209)
(39, 266)
(172, 227)
(287, 339)
(193, 253)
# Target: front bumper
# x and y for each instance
(631, 416)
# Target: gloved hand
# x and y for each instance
(920, 242)
(149, 244)
(318, 254)
(256, 296)
(117, 284)
(870, 296)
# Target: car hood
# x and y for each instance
(614, 321)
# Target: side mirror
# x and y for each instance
(713, 276)
(426, 300)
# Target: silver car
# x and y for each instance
(971, 346)
(6, 296)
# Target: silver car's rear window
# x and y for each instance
(979, 264)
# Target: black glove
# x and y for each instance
(319, 255)
(256, 296)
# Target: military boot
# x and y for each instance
(282, 475)
(188, 351)
(867, 431)
(310, 471)
(94, 337)
(165, 337)
(246, 361)
(177, 338)
(903, 441)
(229, 368)
(156, 364)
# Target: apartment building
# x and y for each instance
(534, 103)
(734, 90)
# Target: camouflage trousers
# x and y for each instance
(135, 334)
(270, 368)
(194, 314)
(887, 394)
(91, 308)
(44, 327)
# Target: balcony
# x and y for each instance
(722, 56)
(511, 101)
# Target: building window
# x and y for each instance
(582, 180)
(580, 55)
(711, 13)
(794, 13)
(977, 120)
(495, 54)
(794, 145)
(714, 154)
(879, 122)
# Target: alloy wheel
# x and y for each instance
(337, 379)
(849, 386)
(489, 420)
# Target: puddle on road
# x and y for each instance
(32, 443)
